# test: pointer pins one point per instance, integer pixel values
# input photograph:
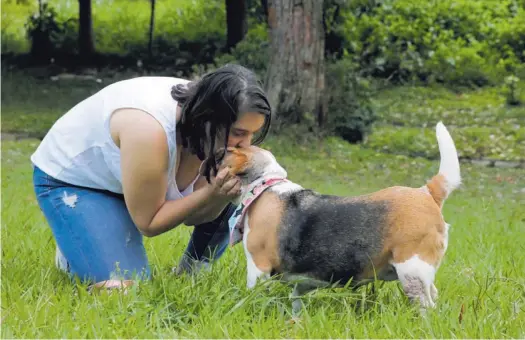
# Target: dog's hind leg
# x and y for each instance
(302, 285)
(297, 304)
(417, 278)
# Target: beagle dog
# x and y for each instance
(397, 233)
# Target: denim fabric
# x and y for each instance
(97, 239)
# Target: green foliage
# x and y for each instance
(459, 42)
(186, 32)
(350, 109)
(512, 94)
(14, 17)
(49, 34)
(252, 51)
(453, 41)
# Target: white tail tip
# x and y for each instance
(449, 166)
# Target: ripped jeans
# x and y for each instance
(97, 239)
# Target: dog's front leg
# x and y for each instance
(253, 272)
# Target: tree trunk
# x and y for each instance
(264, 5)
(295, 78)
(151, 28)
(41, 45)
(236, 22)
(86, 43)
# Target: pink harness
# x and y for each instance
(236, 220)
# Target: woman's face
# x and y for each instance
(243, 130)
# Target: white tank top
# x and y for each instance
(78, 149)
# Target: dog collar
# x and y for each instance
(235, 221)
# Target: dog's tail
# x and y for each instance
(448, 178)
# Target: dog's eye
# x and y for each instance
(242, 174)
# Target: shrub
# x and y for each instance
(350, 109)
(251, 52)
(186, 32)
(511, 91)
(453, 41)
(49, 34)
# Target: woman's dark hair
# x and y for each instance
(211, 106)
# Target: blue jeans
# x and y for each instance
(97, 239)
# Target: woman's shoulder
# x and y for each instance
(145, 83)
(151, 94)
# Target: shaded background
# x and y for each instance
(328, 66)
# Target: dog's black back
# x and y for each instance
(329, 238)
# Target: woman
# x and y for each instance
(137, 158)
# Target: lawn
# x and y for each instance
(481, 282)
(485, 127)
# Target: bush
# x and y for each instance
(49, 34)
(186, 32)
(350, 109)
(251, 52)
(453, 41)
(511, 91)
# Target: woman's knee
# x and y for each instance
(208, 241)
(96, 238)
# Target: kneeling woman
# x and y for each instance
(136, 159)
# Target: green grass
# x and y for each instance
(483, 269)
(32, 104)
(416, 105)
(495, 143)
(485, 126)
(482, 272)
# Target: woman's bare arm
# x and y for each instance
(209, 212)
(144, 165)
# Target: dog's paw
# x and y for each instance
(434, 292)
(294, 320)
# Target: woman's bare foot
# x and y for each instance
(112, 284)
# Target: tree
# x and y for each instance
(295, 79)
(86, 44)
(236, 22)
(264, 6)
(151, 28)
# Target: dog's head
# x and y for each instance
(251, 163)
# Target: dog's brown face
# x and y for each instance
(238, 160)
(251, 163)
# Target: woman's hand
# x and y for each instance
(144, 165)
(225, 186)
(223, 189)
